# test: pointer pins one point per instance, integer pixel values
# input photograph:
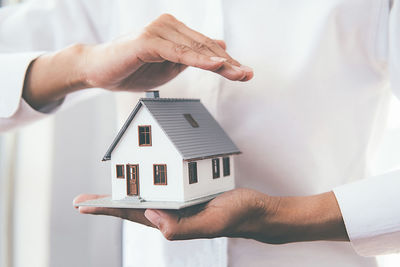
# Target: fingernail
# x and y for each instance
(153, 216)
(75, 202)
(218, 59)
(237, 68)
(246, 68)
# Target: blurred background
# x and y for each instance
(38, 225)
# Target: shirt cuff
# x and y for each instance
(371, 213)
(12, 76)
(24, 114)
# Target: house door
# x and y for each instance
(132, 174)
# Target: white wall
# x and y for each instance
(162, 151)
(52, 161)
(81, 135)
(206, 185)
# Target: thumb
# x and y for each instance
(176, 227)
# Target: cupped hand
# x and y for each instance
(236, 213)
(163, 50)
(243, 213)
(131, 63)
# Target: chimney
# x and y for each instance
(153, 94)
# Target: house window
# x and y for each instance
(120, 171)
(192, 172)
(215, 168)
(160, 174)
(144, 135)
(226, 165)
(191, 121)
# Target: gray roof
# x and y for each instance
(207, 140)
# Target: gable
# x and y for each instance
(128, 147)
(188, 125)
(122, 131)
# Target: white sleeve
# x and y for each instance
(371, 207)
(371, 213)
(26, 31)
(12, 75)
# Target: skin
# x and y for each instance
(242, 213)
(131, 63)
(138, 63)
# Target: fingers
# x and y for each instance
(229, 214)
(174, 226)
(134, 215)
(221, 43)
(93, 210)
(217, 47)
(206, 41)
(185, 55)
(84, 197)
(182, 54)
(172, 40)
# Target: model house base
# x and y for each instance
(107, 202)
(170, 153)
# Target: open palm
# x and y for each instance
(236, 213)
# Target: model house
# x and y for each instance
(170, 150)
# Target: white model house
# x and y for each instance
(170, 150)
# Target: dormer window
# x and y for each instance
(191, 121)
(144, 135)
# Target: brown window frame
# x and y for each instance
(191, 173)
(154, 174)
(216, 170)
(150, 137)
(226, 165)
(123, 171)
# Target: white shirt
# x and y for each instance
(308, 122)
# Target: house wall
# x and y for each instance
(206, 185)
(162, 151)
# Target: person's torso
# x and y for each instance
(307, 122)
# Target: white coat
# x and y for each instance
(308, 122)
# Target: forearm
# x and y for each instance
(131, 63)
(52, 76)
(307, 218)
(249, 214)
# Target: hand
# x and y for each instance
(163, 50)
(134, 215)
(243, 213)
(237, 213)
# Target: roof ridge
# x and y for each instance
(167, 99)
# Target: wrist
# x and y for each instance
(308, 218)
(52, 76)
(77, 67)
